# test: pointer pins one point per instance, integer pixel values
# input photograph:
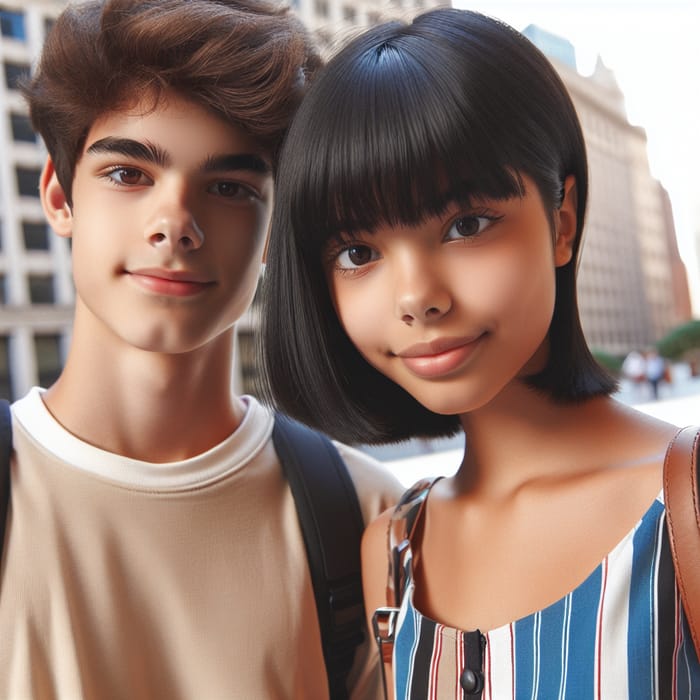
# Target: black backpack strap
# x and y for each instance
(332, 525)
(5, 452)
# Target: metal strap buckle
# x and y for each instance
(384, 628)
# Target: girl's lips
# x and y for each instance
(168, 283)
(439, 358)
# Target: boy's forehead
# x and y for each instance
(173, 122)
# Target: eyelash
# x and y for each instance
(474, 215)
(335, 250)
(107, 175)
(244, 191)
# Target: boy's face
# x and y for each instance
(170, 213)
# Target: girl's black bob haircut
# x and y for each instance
(404, 120)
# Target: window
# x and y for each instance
(27, 181)
(14, 72)
(349, 13)
(321, 7)
(41, 289)
(36, 235)
(48, 358)
(22, 128)
(12, 24)
(5, 377)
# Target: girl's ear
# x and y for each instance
(54, 202)
(565, 224)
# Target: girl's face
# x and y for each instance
(457, 307)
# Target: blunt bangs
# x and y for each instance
(400, 141)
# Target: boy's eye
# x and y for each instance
(469, 226)
(232, 190)
(355, 256)
(128, 176)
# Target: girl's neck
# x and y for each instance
(523, 436)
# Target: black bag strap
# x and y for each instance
(5, 453)
(332, 525)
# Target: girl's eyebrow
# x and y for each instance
(152, 153)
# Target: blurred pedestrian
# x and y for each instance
(655, 371)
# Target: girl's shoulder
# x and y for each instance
(399, 521)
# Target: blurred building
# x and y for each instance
(35, 284)
(632, 285)
(336, 20)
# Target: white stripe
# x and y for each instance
(536, 631)
(615, 624)
(661, 525)
(501, 662)
(565, 646)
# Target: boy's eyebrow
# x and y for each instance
(152, 153)
(132, 149)
(237, 161)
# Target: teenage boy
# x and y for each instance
(153, 548)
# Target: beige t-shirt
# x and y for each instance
(182, 581)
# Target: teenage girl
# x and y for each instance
(420, 281)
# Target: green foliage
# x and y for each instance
(682, 343)
(613, 363)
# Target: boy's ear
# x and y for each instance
(565, 224)
(54, 201)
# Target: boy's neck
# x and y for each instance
(144, 405)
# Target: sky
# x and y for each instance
(653, 50)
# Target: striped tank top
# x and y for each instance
(621, 634)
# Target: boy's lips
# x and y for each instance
(438, 357)
(178, 283)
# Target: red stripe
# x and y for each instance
(435, 662)
(460, 666)
(600, 626)
(488, 661)
(676, 646)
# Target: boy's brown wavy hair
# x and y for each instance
(248, 61)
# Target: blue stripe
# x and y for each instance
(580, 671)
(523, 634)
(641, 631)
(404, 648)
(551, 644)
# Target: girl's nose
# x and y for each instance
(422, 295)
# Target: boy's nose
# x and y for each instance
(174, 226)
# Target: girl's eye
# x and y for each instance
(469, 226)
(128, 176)
(232, 190)
(355, 256)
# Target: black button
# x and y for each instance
(472, 683)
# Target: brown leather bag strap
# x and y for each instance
(683, 519)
